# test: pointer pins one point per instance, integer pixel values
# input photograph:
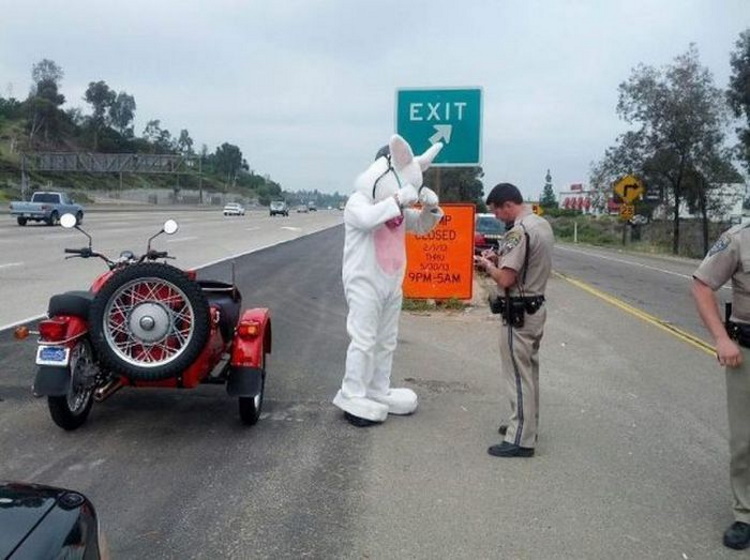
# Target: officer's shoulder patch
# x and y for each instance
(511, 239)
(721, 244)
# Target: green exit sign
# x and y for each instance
(452, 116)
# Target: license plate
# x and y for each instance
(52, 356)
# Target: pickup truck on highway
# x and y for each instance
(45, 207)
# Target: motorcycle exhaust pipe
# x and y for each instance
(103, 393)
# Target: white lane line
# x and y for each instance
(624, 261)
(8, 265)
(181, 239)
(256, 249)
(291, 228)
(21, 322)
(632, 263)
(252, 228)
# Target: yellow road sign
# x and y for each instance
(629, 188)
(627, 211)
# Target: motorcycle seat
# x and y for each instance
(74, 303)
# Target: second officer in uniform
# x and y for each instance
(729, 259)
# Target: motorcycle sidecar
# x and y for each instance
(250, 333)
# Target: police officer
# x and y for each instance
(729, 258)
(521, 269)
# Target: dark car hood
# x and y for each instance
(22, 507)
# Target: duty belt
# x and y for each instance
(530, 304)
(530, 301)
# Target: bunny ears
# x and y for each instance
(401, 154)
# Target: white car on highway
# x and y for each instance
(234, 209)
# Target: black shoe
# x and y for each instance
(359, 422)
(737, 536)
(503, 429)
(506, 449)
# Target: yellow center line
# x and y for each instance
(651, 319)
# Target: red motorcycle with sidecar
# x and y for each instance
(145, 323)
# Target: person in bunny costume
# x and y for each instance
(376, 218)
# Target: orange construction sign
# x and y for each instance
(440, 265)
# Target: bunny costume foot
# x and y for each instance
(399, 401)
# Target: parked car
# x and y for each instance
(302, 209)
(45, 207)
(48, 522)
(488, 231)
(278, 207)
(234, 209)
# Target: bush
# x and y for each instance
(597, 230)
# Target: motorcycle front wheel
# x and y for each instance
(70, 411)
(149, 322)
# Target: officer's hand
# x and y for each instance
(728, 353)
(490, 255)
(482, 262)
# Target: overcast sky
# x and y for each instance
(306, 88)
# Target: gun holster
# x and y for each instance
(497, 304)
(513, 310)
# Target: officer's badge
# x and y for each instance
(510, 241)
(721, 244)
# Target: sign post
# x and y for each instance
(451, 116)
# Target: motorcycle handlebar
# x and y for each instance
(157, 255)
(85, 252)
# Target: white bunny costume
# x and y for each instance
(376, 218)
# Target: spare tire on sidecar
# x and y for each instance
(149, 322)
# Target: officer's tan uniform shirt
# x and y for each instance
(729, 258)
(513, 253)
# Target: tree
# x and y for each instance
(42, 105)
(456, 184)
(185, 143)
(43, 109)
(739, 94)
(101, 98)
(228, 162)
(706, 192)
(160, 139)
(46, 71)
(548, 199)
(681, 115)
(10, 108)
(122, 113)
(624, 158)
